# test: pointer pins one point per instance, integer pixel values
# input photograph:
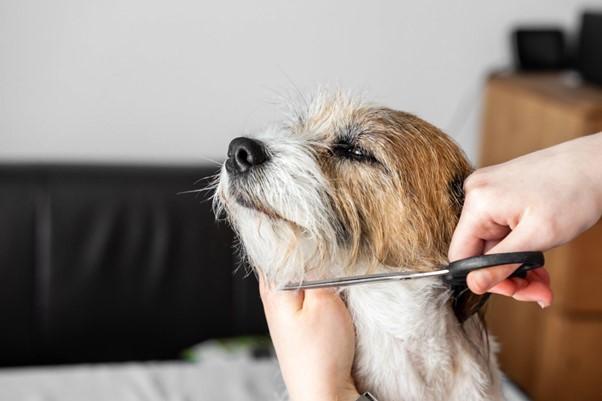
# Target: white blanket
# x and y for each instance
(242, 380)
(216, 375)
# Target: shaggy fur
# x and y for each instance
(346, 188)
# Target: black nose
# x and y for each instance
(244, 153)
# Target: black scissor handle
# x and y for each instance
(459, 269)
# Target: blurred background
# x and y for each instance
(158, 81)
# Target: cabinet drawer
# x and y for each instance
(570, 368)
(576, 273)
(550, 354)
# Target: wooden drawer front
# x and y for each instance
(551, 355)
(576, 273)
(570, 368)
(523, 115)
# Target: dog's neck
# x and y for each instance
(414, 326)
(407, 308)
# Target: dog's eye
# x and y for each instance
(357, 152)
(352, 152)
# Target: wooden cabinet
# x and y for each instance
(553, 354)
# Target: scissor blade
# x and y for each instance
(354, 280)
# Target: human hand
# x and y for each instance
(314, 340)
(535, 202)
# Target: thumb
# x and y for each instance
(522, 238)
(278, 302)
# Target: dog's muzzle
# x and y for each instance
(245, 154)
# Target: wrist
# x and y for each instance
(346, 393)
(347, 396)
(590, 147)
(596, 166)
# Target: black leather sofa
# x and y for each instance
(112, 263)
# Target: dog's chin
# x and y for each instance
(243, 202)
(262, 209)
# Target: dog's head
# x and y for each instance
(343, 188)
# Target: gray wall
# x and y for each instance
(174, 81)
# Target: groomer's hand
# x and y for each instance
(314, 340)
(535, 202)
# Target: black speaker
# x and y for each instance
(539, 49)
(590, 47)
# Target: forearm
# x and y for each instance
(592, 155)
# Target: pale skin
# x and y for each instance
(535, 202)
(314, 340)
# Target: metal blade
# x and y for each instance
(354, 280)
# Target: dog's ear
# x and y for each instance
(465, 302)
(455, 189)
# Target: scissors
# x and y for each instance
(455, 273)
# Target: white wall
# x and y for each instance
(174, 81)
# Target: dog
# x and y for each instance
(341, 188)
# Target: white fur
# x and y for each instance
(410, 345)
(301, 198)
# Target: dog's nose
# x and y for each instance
(244, 153)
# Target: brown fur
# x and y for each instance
(397, 211)
(410, 223)
(413, 225)
(345, 188)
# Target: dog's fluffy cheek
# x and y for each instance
(371, 209)
(303, 202)
(274, 246)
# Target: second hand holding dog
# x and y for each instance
(314, 340)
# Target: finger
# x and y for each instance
(522, 238)
(510, 286)
(464, 243)
(490, 244)
(483, 280)
(474, 235)
(533, 291)
(279, 301)
(322, 298)
(536, 292)
(536, 287)
(262, 283)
